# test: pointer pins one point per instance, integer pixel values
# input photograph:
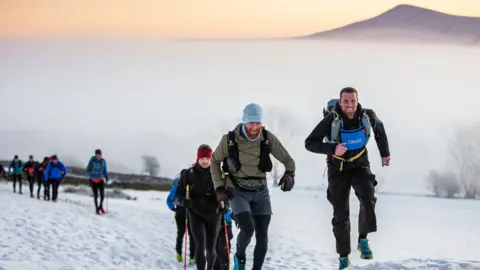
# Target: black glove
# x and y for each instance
(187, 203)
(223, 195)
(106, 179)
(90, 183)
(287, 181)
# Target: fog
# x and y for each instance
(132, 97)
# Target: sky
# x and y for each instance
(209, 18)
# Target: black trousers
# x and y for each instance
(338, 194)
(31, 183)
(180, 215)
(15, 178)
(205, 232)
(98, 188)
(40, 183)
(249, 225)
(222, 262)
(53, 185)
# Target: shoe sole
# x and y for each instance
(365, 257)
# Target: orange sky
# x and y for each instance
(199, 18)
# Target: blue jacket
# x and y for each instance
(228, 217)
(171, 202)
(55, 171)
(15, 167)
(96, 169)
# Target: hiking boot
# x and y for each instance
(103, 211)
(191, 261)
(364, 249)
(344, 262)
(239, 263)
(179, 258)
(98, 212)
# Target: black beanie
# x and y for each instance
(98, 152)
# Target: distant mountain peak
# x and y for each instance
(409, 23)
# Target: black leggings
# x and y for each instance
(31, 183)
(205, 232)
(249, 224)
(40, 183)
(17, 177)
(222, 262)
(98, 187)
(180, 220)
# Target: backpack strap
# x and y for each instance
(231, 163)
(335, 128)
(367, 124)
(265, 164)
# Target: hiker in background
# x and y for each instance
(29, 169)
(96, 170)
(15, 170)
(180, 215)
(54, 173)
(40, 176)
(2, 171)
(223, 251)
(204, 213)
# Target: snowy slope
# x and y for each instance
(415, 233)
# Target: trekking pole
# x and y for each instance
(226, 234)
(186, 231)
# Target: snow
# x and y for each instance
(414, 233)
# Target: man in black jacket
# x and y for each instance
(30, 169)
(203, 208)
(343, 135)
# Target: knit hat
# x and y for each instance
(252, 113)
(98, 152)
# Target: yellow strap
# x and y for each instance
(350, 159)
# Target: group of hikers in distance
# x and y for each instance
(229, 183)
(50, 172)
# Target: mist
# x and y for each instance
(131, 97)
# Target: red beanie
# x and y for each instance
(204, 153)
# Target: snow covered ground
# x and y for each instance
(414, 233)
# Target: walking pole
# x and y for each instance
(226, 234)
(186, 231)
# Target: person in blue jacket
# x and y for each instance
(97, 170)
(54, 173)
(15, 169)
(222, 261)
(180, 214)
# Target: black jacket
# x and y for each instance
(201, 191)
(30, 166)
(315, 141)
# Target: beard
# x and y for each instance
(253, 133)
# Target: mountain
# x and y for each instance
(409, 23)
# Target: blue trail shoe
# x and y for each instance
(344, 262)
(239, 263)
(364, 249)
